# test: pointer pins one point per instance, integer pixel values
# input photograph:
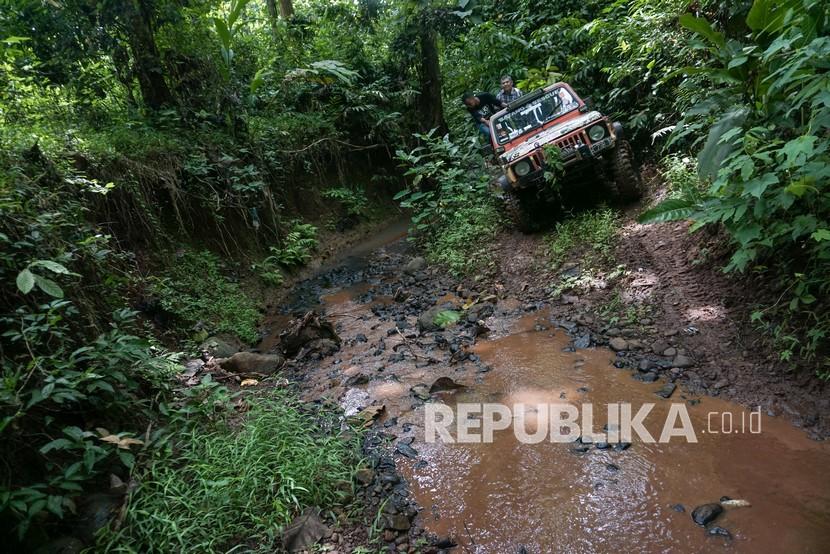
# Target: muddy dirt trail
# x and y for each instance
(505, 343)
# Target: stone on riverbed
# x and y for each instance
(706, 513)
(667, 390)
(618, 343)
(251, 362)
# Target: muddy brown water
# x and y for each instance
(498, 497)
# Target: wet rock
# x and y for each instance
(222, 346)
(360, 337)
(659, 346)
(400, 295)
(304, 531)
(355, 380)
(479, 312)
(445, 384)
(706, 513)
(646, 377)
(723, 383)
(613, 468)
(420, 391)
(579, 449)
(719, 532)
(670, 352)
(602, 445)
(620, 446)
(667, 390)
(646, 365)
(682, 361)
(406, 450)
(415, 265)
(354, 401)
(251, 362)
(618, 344)
(613, 332)
(307, 329)
(583, 341)
(398, 522)
(426, 321)
(365, 476)
(569, 299)
(680, 508)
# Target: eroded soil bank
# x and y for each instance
(513, 345)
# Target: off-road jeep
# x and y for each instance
(593, 155)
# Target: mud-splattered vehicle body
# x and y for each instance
(592, 151)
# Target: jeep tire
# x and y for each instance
(626, 180)
(517, 213)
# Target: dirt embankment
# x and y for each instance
(674, 280)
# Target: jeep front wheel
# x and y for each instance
(626, 179)
(517, 213)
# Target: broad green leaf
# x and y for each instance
(821, 235)
(714, 152)
(768, 15)
(49, 286)
(223, 32)
(703, 28)
(676, 209)
(54, 267)
(25, 281)
(446, 318)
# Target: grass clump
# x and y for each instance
(590, 235)
(218, 489)
(199, 295)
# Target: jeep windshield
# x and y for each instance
(534, 114)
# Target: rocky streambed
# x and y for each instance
(410, 338)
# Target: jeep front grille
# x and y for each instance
(572, 141)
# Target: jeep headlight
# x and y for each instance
(597, 132)
(522, 168)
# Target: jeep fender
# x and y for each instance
(619, 132)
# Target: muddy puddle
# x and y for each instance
(505, 495)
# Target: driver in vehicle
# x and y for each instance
(481, 106)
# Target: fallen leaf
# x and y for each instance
(248, 383)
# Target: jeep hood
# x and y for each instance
(532, 142)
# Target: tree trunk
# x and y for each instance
(431, 104)
(272, 14)
(286, 9)
(146, 56)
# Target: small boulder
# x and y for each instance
(251, 362)
(719, 532)
(682, 361)
(415, 265)
(618, 344)
(667, 390)
(706, 513)
(445, 384)
(222, 346)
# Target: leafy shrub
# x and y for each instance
(296, 248)
(216, 487)
(591, 235)
(453, 211)
(354, 200)
(766, 158)
(198, 294)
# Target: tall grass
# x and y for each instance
(234, 488)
